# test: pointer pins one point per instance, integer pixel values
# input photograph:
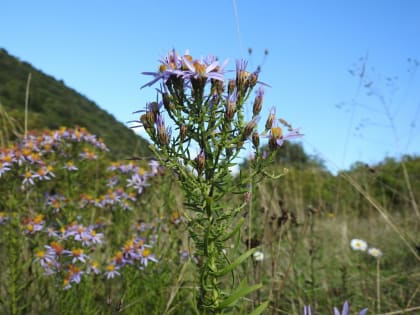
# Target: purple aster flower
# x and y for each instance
(199, 69)
(345, 310)
(307, 310)
(4, 167)
(155, 166)
(111, 271)
(294, 134)
(170, 65)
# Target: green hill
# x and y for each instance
(52, 104)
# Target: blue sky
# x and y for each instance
(101, 47)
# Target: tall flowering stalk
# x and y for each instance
(206, 135)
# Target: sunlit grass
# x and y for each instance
(104, 219)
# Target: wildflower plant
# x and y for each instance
(198, 129)
(63, 215)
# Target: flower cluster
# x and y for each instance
(53, 169)
(135, 252)
(361, 245)
(180, 73)
(67, 254)
(186, 68)
(29, 158)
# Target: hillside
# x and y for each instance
(52, 104)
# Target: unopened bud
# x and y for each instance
(230, 109)
(217, 87)
(163, 134)
(255, 139)
(200, 162)
(153, 107)
(270, 119)
(183, 132)
(148, 119)
(252, 79)
(256, 108)
(249, 128)
(166, 99)
(231, 86)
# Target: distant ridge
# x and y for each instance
(52, 104)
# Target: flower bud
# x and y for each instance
(252, 79)
(249, 128)
(153, 107)
(270, 119)
(148, 119)
(200, 162)
(231, 86)
(163, 134)
(217, 87)
(255, 139)
(230, 110)
(183, 132)
(166, 99)
(256, 109)
(230, 106)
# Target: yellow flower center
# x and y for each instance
(38, 219)
(40, 253)
(200, 68)
(276, 132)
(77, 252)
(162, 68)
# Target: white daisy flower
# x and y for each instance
(258, 256)
(374, 252)
(357, 244)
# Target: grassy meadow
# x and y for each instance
(82, 234)
(84, 231)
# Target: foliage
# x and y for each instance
(300, 229)
(52, 105)
(209, 117)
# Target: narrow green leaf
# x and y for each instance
(233, 265)
(260, 308)
(239, 293)
(234, 231)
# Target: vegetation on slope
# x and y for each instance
(52, 104)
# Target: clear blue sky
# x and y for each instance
(100, 48)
